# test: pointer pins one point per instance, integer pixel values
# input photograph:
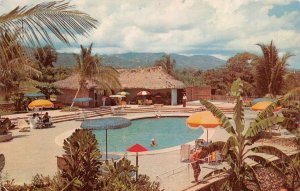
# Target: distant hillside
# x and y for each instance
(133, 60)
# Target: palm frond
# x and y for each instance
(260, 125)
(264, 162)
(57, 17)
(230, 144)
(271, 151)
(255, 176)
(269, 111)
(218, 113)
(283, 100)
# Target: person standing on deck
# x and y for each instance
(184, 99)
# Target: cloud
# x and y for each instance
(220, 28)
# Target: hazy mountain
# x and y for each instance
(133, 60)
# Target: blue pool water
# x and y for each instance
(167, 131)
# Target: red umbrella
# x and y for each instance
(137, 148)
(143, 93)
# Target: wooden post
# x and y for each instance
(106, 144)
(137, 165)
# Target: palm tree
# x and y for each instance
(14, 65)
(166, 63)
(31, 26)
(90, 68)
(239, 147)
(270, 70)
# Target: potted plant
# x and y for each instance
(4, 127)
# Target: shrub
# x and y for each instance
(82, 156)
(5, 125)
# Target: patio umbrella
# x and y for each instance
(41, 103)
(116, 96)
(137, 148)
(205, 119)
(143, 93)
(262, 99)
(105, 124)
(34, 95)
(82, 99)
(263, 105)
(123, 93)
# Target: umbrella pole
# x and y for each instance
(207, 135)
(106, 144)
(137, 165)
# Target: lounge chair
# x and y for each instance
(215, 158)
(123, 103)
(185, 151)
(23, 125)
(113, 111)
(140, 102)
(149, 102)
(32, 123)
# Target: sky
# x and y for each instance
(221, 28)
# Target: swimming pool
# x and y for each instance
(167, 131)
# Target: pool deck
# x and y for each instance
(35, 152)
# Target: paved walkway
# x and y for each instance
(34, 152)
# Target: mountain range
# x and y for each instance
(134, 60)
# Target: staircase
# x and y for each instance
(96, 112)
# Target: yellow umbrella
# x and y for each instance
(41, 103)
(263, 105)
(205, 119)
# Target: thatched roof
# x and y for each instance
(72, 82)
(144, 78)
(148, 78)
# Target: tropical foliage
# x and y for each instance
(166, 63)
(90, 68)
(82, 168)
(48, 89)
(31, 26)
(239, 147)
(119, 175)
(5, 126)
(270, 70)
(46, 56)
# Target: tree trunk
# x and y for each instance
(75, 97)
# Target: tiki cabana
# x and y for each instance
(70, 85)
(164, 88)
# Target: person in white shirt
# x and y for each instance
(184, 98)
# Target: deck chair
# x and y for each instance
(113, 111)
(23, 125)
(149, 102)
(185, 151)
(123, 103)
(140, 102)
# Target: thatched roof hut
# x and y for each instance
(142, 78)
(148, 78)
(72, 83)
(153, 79)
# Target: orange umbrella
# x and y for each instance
(41, 103)
(263, 105)
(205, 119)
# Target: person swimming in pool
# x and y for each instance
(153, 143)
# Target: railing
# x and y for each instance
(176, 179)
